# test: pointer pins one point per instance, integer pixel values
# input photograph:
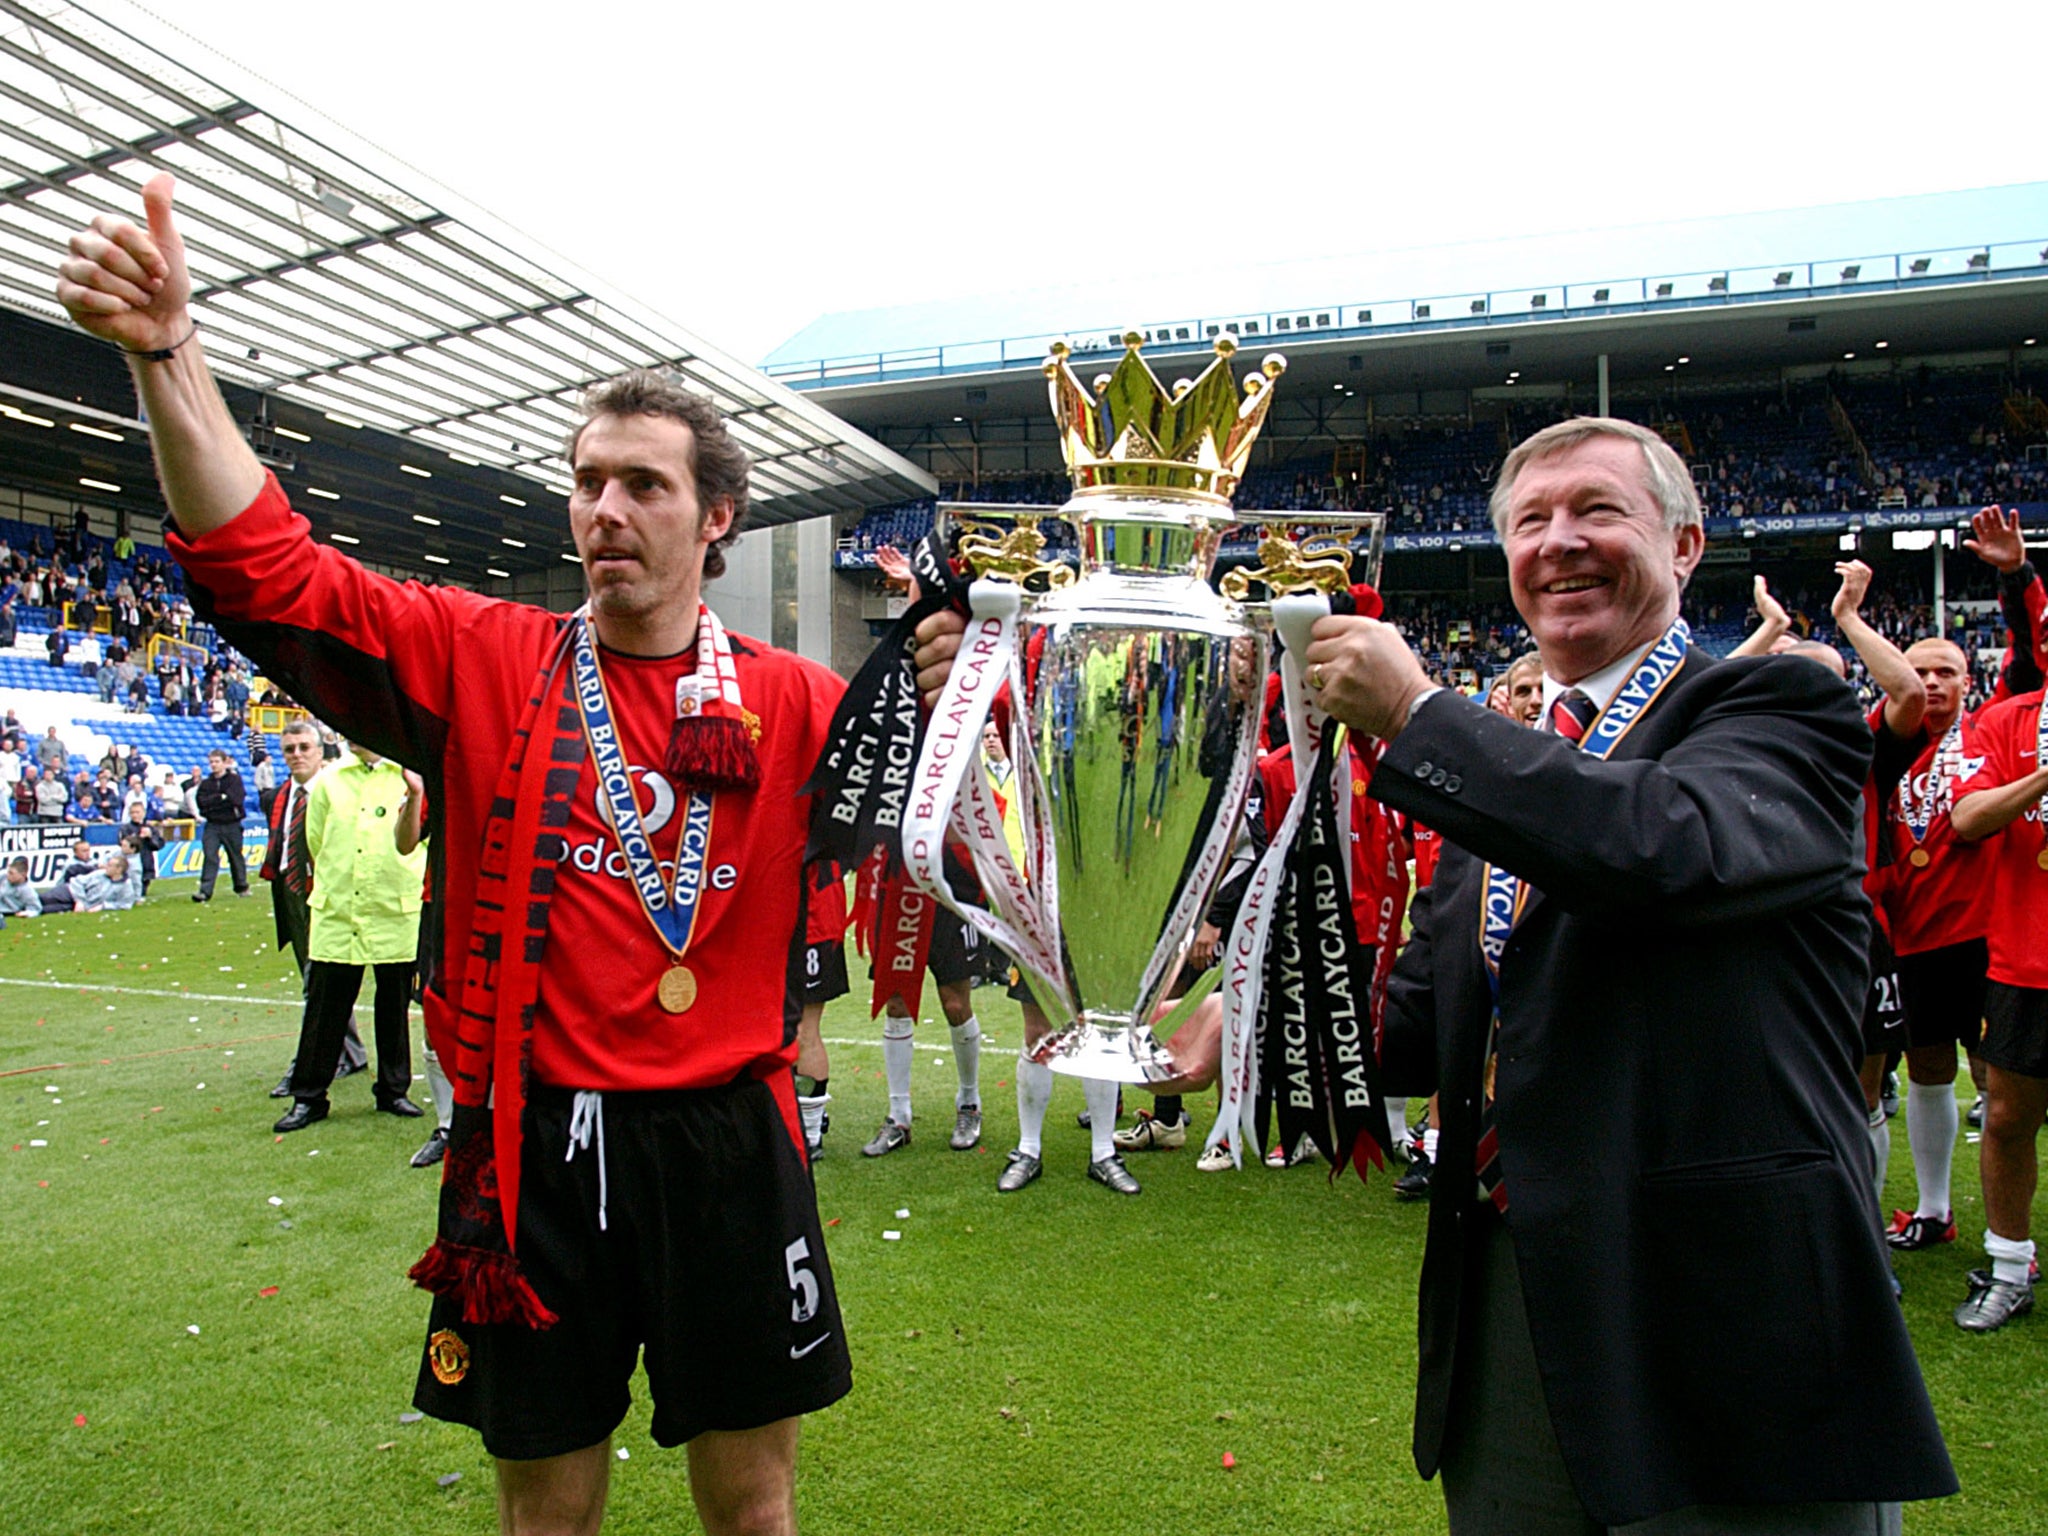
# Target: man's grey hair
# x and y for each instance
(1669, 481)
(299, 728)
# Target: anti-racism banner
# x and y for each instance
(46, 846)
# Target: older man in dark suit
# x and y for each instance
(289, 868)
(1652, 1299)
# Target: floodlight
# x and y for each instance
(1850, 274)
(1920, 265)
(1599, 295)
(1782, 280)
(1479, 306)
(1663, 290)
(1422, 311)
(1538, 300)
(1979, 260)
(1717, 285)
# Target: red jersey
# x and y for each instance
(1379, 868)
(599, 1026)
(438, 678)
(1936, 888)
(2009, 735)
(1429, 847)
(825, 914)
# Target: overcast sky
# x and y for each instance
(747, 168)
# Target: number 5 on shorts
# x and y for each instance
(803, 1284)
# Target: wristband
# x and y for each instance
(164, 354)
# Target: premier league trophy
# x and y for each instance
(1135, 694)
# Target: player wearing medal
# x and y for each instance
(1937, 895)
(2002, 804)
(618, 813)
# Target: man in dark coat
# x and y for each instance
(220, 798)
(1652, 1290)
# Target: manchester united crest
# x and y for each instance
(449, 1356)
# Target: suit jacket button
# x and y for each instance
(1438, 779)
(1422, 770)
(1453, 784)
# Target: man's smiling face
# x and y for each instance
(1591, 565)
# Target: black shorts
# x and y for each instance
(1943, 990)
(2016, 1029)
(951, 957)
(824, 973)
(711, 1260)
(1884, 1010)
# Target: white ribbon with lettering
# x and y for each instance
(952, 745)
(1244, 957)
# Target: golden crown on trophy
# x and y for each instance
(1130, 431)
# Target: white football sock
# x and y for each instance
(812, 1111)
(967, 1061)
(899, 1055)
(1932, 1116)
(2011, 1258)
(1034, 1093)
(1429, 1143)
(1397, 1122)
(1101, 1097)
(442, 1091)
(1880, 1155)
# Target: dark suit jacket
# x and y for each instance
(1681, 1130)
(289, 909)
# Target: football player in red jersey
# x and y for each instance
(2002, 804)
(618, 826)
(1935, 889)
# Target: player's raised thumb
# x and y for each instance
(163, 229)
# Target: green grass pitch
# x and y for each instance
(210, 1330)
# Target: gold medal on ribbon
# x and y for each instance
(678, 990)
(1918, 858)
(2041, 858)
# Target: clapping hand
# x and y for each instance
(1998, 541)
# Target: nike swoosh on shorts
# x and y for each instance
(797, 1354)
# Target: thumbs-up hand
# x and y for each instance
(127, 285)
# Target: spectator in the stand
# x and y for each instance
(84, 804)
(10, 763)
(138, 695)
(124, 547)
(134, 797)
(263, 776)
(173, 694)
(7, 627)
(58, 645)
(25, 807)
(18, 897)
(51, 754)
(220, 800)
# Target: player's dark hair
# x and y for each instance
(718, 464)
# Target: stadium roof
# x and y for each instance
(329, 275)
(1891, 245)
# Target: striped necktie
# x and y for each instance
(1569, 717)
(297, 861)
(1571, 714)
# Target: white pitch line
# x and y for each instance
(239, 997)
(197, 997)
